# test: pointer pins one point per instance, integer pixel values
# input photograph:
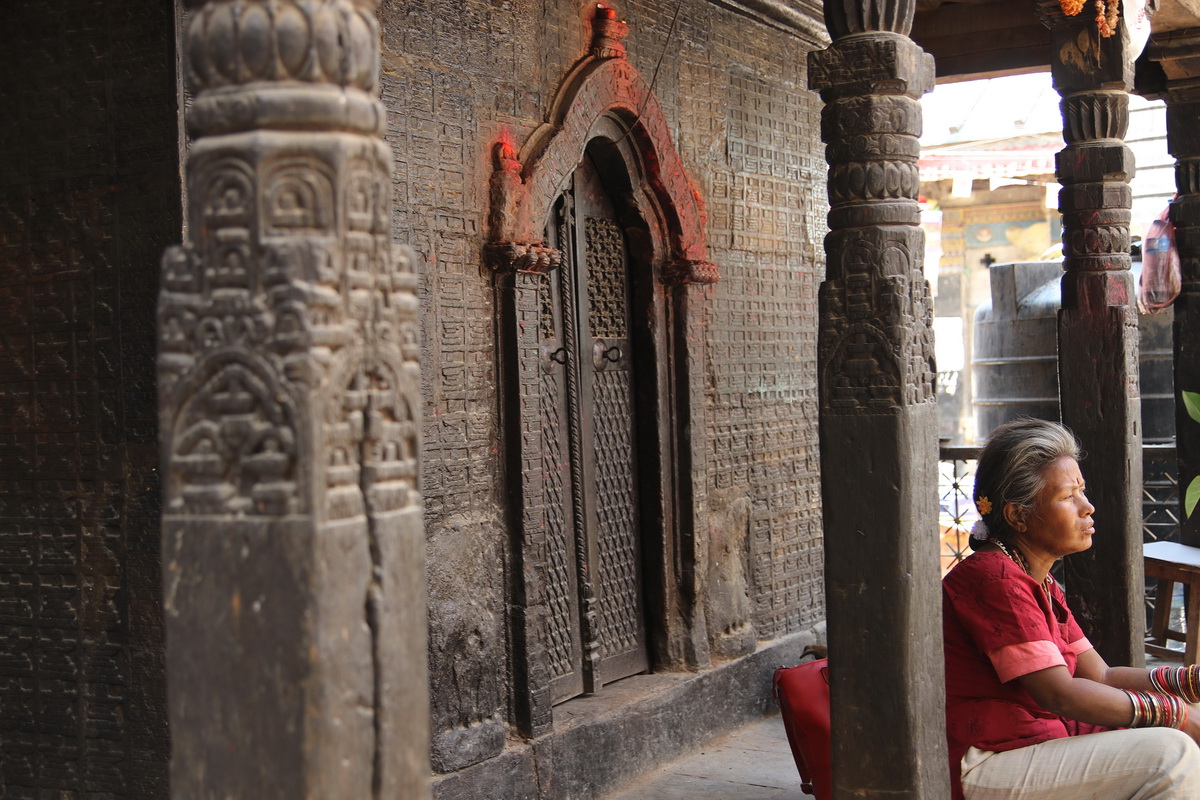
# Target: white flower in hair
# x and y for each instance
(980, 531)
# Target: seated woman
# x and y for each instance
(1032, 710)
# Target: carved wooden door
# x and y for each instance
(596, 627)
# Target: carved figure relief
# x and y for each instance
(229, 196)
(235, 445)
(298, 198)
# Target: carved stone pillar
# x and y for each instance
(289, 398)
(1177, 54)
(1098, 327)
(878, 413)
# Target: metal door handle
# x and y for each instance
(603, 354)
(551, 356)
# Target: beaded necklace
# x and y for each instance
(1019, 560)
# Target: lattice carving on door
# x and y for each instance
(560, 549)
(616, 493)
(607, 292)
(616, 512)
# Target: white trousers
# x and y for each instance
(1116, 765)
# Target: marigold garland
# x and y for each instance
(984, 505)
(1107, 13)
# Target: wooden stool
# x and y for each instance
(1173, 563)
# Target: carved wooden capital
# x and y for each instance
(290, 261)
(685, 271)
(875, 342)
(284, 64)
(1095, 115)
(1094, 170)
(846, 17)
(871, 64)
(519, 257)
(236, 42)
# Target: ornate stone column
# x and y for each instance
(1177, 54)
(878, 412)
(1098, 327)
(289, 411)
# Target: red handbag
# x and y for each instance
(803, 696)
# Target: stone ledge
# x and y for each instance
(637, 724)
(802, 18)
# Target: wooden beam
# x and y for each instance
(983, 41)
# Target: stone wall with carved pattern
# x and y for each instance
(456, 74)
(89, 197)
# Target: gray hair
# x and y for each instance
(1012, 466)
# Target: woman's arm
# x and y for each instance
(1094, 694)
(1078, 698)
(1093, 667)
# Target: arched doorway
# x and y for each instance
(595, 234)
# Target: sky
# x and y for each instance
(990, 109)
(998, 108)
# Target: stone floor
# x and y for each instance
(753, 763)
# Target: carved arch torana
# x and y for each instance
(525, 185)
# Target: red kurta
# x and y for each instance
(998, 624)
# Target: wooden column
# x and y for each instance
(1183, 141)
(1098, 327)
(289, 391)
(1177, 55)
(878, 413)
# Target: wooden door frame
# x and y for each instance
(602, 97)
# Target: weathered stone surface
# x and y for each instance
(89, 187)
(728, 99)
(467, 689)
(727, 594)
(643, 722)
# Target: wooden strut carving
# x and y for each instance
(290, 396)
(524, 185)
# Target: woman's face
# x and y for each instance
(1060, 522)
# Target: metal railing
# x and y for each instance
(956, 510)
